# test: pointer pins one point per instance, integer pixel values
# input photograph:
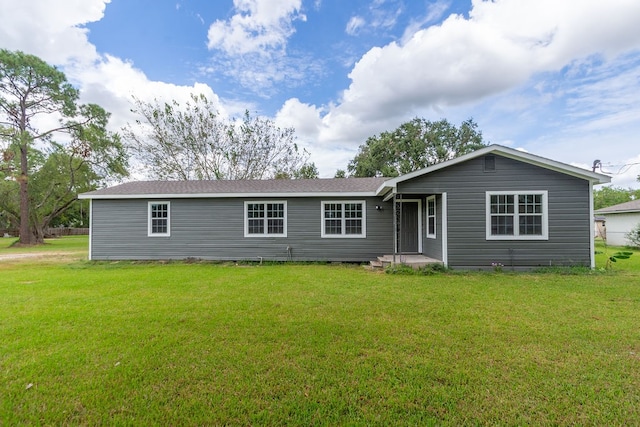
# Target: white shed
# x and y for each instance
(620, 220)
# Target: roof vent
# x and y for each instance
(489, 163)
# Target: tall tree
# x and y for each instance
(30, 91)
(414, 145)
(192, 141)
(55, 179)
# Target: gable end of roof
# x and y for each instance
(593, 177)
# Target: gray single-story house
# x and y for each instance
(619, 220)
(495, 205)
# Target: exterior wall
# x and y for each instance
(618, 225)
(432, 247)
(213, 229)
(570, 225)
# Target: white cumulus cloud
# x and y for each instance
(51, 30)
(54, 32)
(259, 26)
(462, 61)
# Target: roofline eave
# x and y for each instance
(617, 212)
(224, 195)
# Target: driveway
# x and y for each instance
(32, 255)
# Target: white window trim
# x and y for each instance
(435, 217)
(265, 233)
(516, 228)
(363, 235)
(168, 233)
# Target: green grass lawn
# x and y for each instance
(174, 344)
(68, 243)
(603, 252)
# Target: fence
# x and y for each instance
(66, 231)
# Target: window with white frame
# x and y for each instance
(517, 215)
(159, 219)
(265, 219)
(343, 219)
(431, 217)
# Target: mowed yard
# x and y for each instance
(201, 344)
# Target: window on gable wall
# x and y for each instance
(343, 219)
(517, 215)
(265, 219)
(158, 219)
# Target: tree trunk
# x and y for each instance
(26, 238)
(38, 235)
(39, 226)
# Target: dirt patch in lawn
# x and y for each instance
(44, 255)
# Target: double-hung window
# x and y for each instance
(343, 219)
(265, 219)
(517, 215)
(159, 219)
(431, 217)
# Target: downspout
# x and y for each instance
(395, 227)
(400, 225)
(398, 213)
(445, 230)
(592, 244)
(90, 228)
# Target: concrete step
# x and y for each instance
(385, 261)
(376, 264)
(415, 261)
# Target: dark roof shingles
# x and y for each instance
(332, 185)
(632, 206)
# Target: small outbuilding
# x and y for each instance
(620, 219)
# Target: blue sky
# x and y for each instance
(322, 48)
(540, 75)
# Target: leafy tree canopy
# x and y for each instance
(306, 171)
(192, 142)
(609, 196)
(41, 164)
(414, 145)
(55, 179)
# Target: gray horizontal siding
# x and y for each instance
(213, 229)
(466, 184)
(433, 247)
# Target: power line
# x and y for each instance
(620, 166)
